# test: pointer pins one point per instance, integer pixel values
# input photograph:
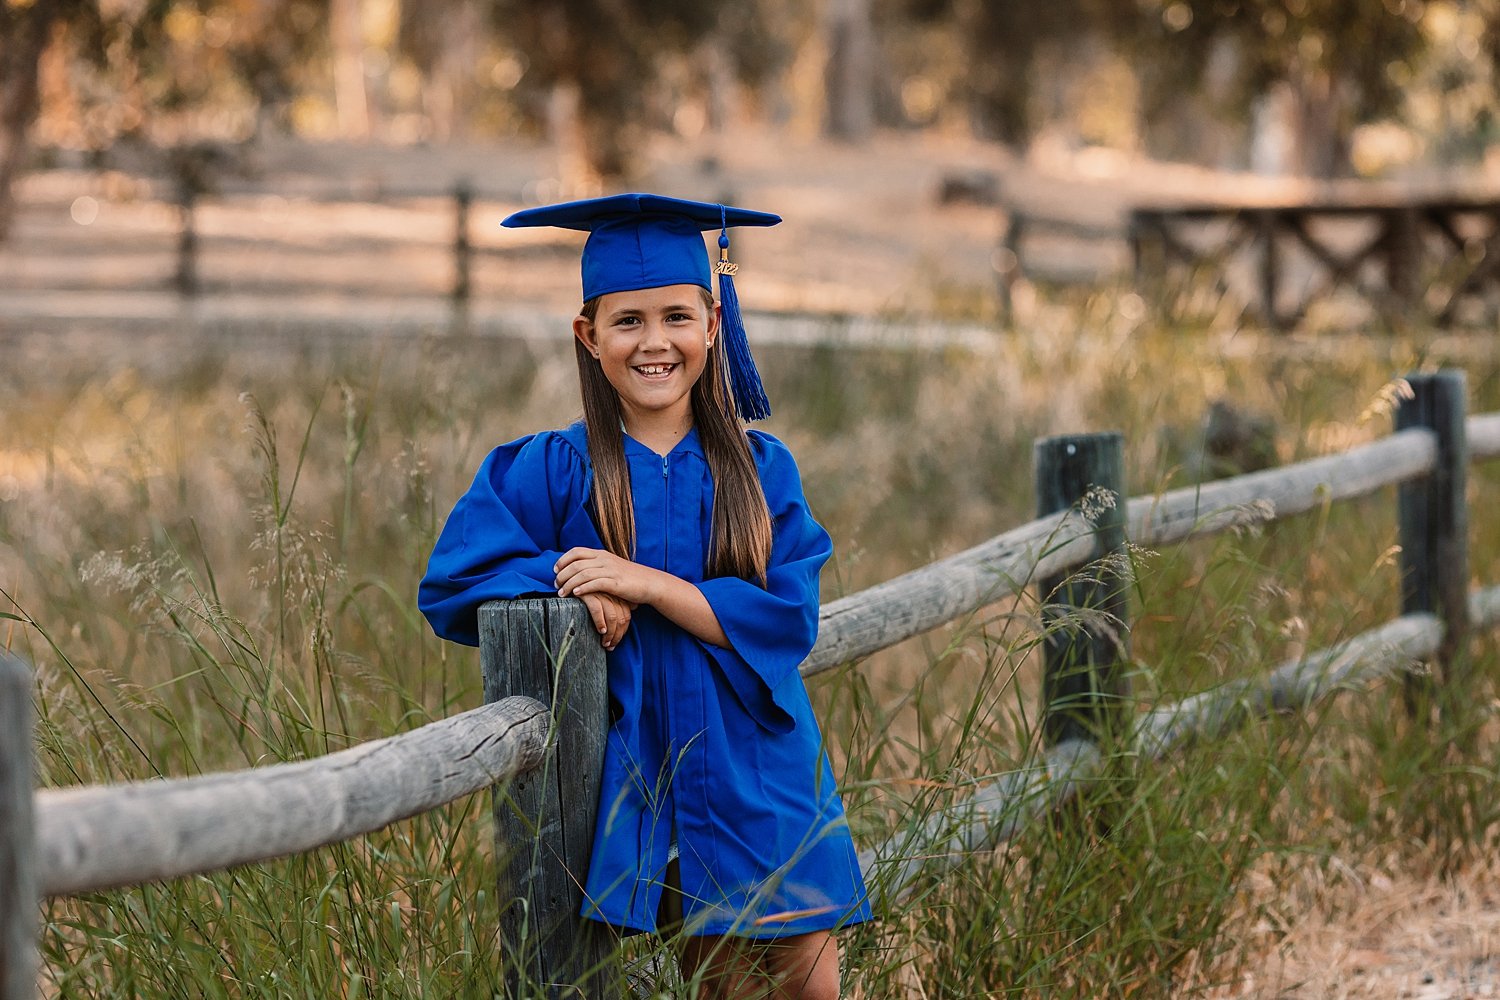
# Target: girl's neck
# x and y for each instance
(658, 430)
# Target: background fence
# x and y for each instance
(539, 737)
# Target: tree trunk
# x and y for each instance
(1273, 142)
(450, 88)
(850, 74)
(26, 31)
(565, 134)
(1322, 127)
(718, 73)
(1301, 129)
(346, 33)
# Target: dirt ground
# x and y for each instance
(1373, 932)
(361, 235)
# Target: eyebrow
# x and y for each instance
(678, 307)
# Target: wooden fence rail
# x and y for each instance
(1484, 436)
(998, 809)
(186, 278)
(104, 836)
(98, 837)
(939, 592)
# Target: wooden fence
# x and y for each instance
(539, 736)
(187, 276)
(1013, 262)
(1413, 254)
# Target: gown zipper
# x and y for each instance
(674, 848)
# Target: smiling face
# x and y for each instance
(652, 345)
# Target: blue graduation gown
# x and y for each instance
(715, 748)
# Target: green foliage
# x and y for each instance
(615, 54)
(1003, 42)
(179, 72)
(1343, 60)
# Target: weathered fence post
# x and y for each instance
(1084, 686)
(1403, 256)
(546, 648)
(186, 278)
(463, 249)
(1435, 530)
(1008, 262)
(18, 893)
(1269, 273)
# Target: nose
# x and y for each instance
(654, 336)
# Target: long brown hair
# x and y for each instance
(741, 538)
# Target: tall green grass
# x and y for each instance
(210, 555)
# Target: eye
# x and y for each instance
(627, 321)
(680, 317)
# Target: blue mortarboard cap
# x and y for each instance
(647, 241)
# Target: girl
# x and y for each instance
(690, 542)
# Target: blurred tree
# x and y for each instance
(1005, 42)
(849, 75)
(26, 29)
(592, 63)
(275, 50)
(1331, 61)
(170, 72)
(444, 40)
(351, 99)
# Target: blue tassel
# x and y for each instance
(744, 380)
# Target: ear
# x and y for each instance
(583, 329)
(714, 319)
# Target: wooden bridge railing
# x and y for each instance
(1418, 253)
(542, 731)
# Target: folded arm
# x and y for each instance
(583, 572)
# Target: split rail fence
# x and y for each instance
(540, 736)
(187, 276)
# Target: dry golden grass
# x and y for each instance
(150, 527)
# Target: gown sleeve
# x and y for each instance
(502, 538)
(771, 629)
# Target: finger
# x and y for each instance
(618, 626)
(596, 612)
(607, 633)
(600, 585)
(579, 570)
(574, 554)
(599, 616)
(567, 570)
(573, 575)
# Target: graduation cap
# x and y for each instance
(647, 241)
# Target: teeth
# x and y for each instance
(653, 369)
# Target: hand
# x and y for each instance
(588, 573)
(611, 617)
(583, 571)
